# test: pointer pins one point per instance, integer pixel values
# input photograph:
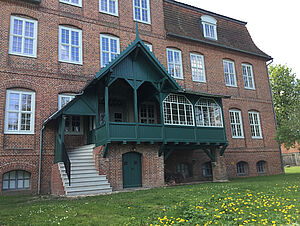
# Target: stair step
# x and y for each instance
(92, 192)
(83, 166)
(87, 184)
(86, 180)
(75, 154)
(86, 188)
(86, 147)
(82, 161)
(81, 175)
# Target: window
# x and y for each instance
(260, 166)
(70, 45)
(109, 7)
(147, 113)
(248, 76)
(72, 2)
(19, 116)
(174, 63)
(236, 124)
(63, 99)
(255, 124)
(229, 73)
(23, 37)
(209, 27)
(208, 113)
(109, 48)
(178, 110)
(118, 117)
(183, 169)
(73, 125)
(207, 169)
(141, 11)
(149, 46)
(197, 66)
(14, 180)
(242, 168)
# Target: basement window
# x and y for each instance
(15, 180)
(209, 25)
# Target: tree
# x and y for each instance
(286, 97)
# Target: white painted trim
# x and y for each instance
(69, 2)
(107, 12)
(251, 69)
(149, 46)
(180, 59)
(259, 124)
(110, 37)
(35, 23)
(80, 45)
(241, 123)
(148, 12)
(202, 58)
(234, 74)
(32, 112)
(60, 96)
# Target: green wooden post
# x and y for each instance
(63, 124)
(162, 116)
(107, 111)
(136, 119)
(195, 121)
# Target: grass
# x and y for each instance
(272, 200)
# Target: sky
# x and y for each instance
(273, 25)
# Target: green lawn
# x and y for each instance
(260, 200)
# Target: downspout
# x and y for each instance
(280, 152)
(41, 145)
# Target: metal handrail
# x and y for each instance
(67, 162)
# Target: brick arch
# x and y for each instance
(19, 83)
(25, 16)
(70, 89)
(17, 166)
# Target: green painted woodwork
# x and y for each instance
(132, 170)
(59, 140)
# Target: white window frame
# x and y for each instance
(247, 77)
(35, 23)
(69, 2)
(108, 12)
(60, 96)
(235, 124)
(148, 12)
(254, 125)
(174, 63)
(188, 103)
(212, 23)
(199, 106)
(231, 75)
(70, 45)
(201, 58)
(149, 46)
(19, 111)
(110, 37)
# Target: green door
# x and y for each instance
(132, 170)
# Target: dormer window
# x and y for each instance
(209, 27)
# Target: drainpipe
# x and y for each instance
(40, 158)
(280, 152)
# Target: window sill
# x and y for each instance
(22, 55)
(144, 22)
(111, 14)
(68, 3)
(68, 62)
(257, 138)
(18, 133)
(249, 88)
(232, 86)
(238, 137)
(199, 81)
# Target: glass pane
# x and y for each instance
(64, 51)
(17, 44)
(112, 6)
(65, 36)
(12, 121)
(28, 46)
(26, 183)
(18, 27)
(12, 184)
(26, 102)
(20, 184)
(75, 38)
(5, 184)
(14, 101)
(29, 29)
(75, 54)
(20, 174)
(103, 5)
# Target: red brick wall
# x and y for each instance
(47, 78)
(57, 187)
(152, 164)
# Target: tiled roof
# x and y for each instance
(184, 21)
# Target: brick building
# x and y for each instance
(90, 103)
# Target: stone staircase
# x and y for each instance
(85, 179)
